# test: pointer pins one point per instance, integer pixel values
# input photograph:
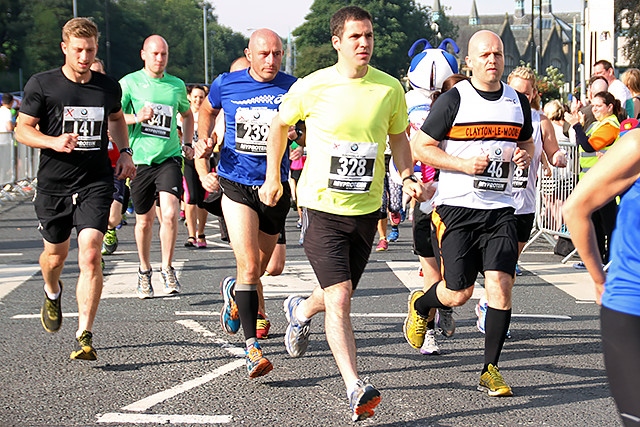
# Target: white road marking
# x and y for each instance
(542, 316)
(12, 276)
(197, 313)
(37, 316)
(122, 280)
(12, 254)
(199, 329)
(297, 278)
(576, 283)
(407, 273)
(150, 401)
(118, 417)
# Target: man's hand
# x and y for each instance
(476, 165)
(66, 142)
(296, 153)
(292, 134)
(125, 167)
(521, 158)
(210, 182)
(145, 114)
(270, 193)
(203, 148)
(187, 152)
(414, 189)
(559, 159)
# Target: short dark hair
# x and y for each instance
(7, 99)
(605, 64)
(347, 13)
(190, 88)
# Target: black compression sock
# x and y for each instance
(496, 327)
(428, 301)
(247, 302)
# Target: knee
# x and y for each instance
(459, 298)
(53, 261)
(143, 222)
(338, 298)
(89, 258)
(248, 274)
(275, 270)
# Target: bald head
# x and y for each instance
(598, 85)
(241, 63)
(486, 59)
(483, 37)
(154, 40)
(264, 54)
(263, 35)
(155, 55)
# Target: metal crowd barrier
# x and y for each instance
(552, 191)
(18, 167)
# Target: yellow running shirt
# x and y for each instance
(347, 123)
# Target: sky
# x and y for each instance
(283, 16)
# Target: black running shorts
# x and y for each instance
(58, 215)
(152, 179)
(422, 241)
(338, 247)
(470, 241)
(193, 190)
(271, 218)
(524, 224)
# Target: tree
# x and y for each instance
(550, 84)
(227, 46)
(628, 25)
(30, 35)
(397, 24)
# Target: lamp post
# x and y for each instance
(204, 34)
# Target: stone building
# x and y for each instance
(522, 39)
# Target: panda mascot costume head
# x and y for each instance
(428, 70)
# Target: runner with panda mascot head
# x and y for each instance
(429, 68)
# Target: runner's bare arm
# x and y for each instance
(206, 119)
(427, 150)
(27, 133)
(403, 160)
(271, 191)
(611, 176)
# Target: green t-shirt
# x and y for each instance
(156, 140)
(347, 122)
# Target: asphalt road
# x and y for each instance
(167, 361)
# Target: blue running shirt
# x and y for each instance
(249, 106)
(622, 289)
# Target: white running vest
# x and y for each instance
(482, 127)
(524, 181)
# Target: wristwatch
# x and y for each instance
(412, 177)
(127, 150)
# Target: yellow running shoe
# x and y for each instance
(493, 383)
(415, 325)
(86, 352)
